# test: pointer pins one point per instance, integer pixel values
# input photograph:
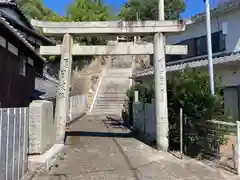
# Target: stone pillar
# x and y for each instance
(41, 127)
(160, 92)
(62, 101)
(132, 83)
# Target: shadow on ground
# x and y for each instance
(99, 134)
(112, 122)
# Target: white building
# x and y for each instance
(225, 24)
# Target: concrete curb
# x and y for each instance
(43, 162)
(72, 121)
(142, 137)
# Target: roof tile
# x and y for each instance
(18, 34)
(179, 65)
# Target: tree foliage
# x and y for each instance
(78, 10)
(189, 90)
(148, 9)
(35, 9)
(145, 93)
(85, 10)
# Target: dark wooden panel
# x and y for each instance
(15, 89)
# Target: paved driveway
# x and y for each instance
(100, 148)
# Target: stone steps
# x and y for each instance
(122, 99)
(108, 105)
(110, 100)
(112, 93)
(112, 111)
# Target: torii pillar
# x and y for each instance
(62, 101)
(161, 102)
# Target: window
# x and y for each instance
(191, 48)
(222, 42)
(218, 42)
(13, 49)
(198, 46)
(3, 42)
(191, 51)
(201, 45)
(22, 65)
(30, 61)
(170, 58)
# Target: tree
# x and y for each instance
(35, 9)
(190, 90)
(78, 10)
(148, 9)
(85, 10)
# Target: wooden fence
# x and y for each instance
(13, 143)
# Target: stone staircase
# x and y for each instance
(112, 92)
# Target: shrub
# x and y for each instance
(188, 89)
(145, 93)
(145, 96)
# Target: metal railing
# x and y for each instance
(13, 143)
(217, 141)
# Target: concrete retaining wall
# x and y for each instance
(77, 104)
(144, 119)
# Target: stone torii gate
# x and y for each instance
(137, 28)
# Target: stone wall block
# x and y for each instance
(41, 126)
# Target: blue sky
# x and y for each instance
(193, 6)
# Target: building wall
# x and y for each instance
(229, 75)
(230, 80)
(199, 29)
(15, 88)
(16, 83)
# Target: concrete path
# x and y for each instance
(100, 148)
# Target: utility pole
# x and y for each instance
(136, 38)
(160, 86)
(209, 46)
(138, 19)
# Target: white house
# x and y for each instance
(225, 24)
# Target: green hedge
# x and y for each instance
(188, 89)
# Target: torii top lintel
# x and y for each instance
(109, 27)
